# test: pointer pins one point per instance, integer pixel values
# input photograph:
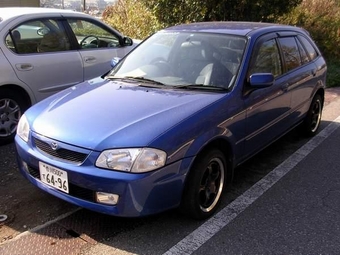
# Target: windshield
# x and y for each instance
(184, 59)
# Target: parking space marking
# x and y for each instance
(46, 224)
(208, 229)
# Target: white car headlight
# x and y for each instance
(23, 128)
(136, 160)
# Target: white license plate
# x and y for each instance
(53, 176)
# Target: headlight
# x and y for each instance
(137, 160)
(23, 128)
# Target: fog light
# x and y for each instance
(25, 166)
(107, 198)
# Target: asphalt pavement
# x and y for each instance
(300, 214)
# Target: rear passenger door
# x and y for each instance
(41, 56)
(298, 54)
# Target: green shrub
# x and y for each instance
(132, 18)
(322, 19)
(333, 73)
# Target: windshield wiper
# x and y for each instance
(112, 77)
(201, 86)
(143, 79)
(136, 78)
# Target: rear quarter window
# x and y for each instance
(311, 51)
(304, 56)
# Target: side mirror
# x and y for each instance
(115, 61)
(261, 80)
(43, 31)
(127, 41)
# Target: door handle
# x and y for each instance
(314, 72)
(89, 59)
(285, 87)
(24, 67)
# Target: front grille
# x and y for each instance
(63, 154)
(74, 190)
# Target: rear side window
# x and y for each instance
(38, 36)
(312, 53)
(290, 52)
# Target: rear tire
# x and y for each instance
(312, 121)
(204, 186)
(12, 106)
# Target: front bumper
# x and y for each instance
(139, 194)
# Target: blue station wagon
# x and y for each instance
(169, 124)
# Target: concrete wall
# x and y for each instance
(22, 3)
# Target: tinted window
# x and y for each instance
(303, 53)
(267, 59)
(290, 52)
(312, 53)
(38, 36)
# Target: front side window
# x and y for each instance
(267, 59)
(38, 36)
(90, 35)
(290, 52)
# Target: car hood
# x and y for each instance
(101, 114)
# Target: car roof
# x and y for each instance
(233, 27)
(10, 12)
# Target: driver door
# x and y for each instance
(97, 46)
(268, 109)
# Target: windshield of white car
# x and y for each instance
(184, 59)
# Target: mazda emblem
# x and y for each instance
(54, 146)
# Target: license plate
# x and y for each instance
(53, 176)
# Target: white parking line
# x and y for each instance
(208, 229)
(37, 228)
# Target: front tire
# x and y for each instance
(12, 106)
(204, 186)
(312, 121)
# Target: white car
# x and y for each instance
(43, 51)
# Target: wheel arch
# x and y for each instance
(320, 92)
(189, 198)
(18, 90)
(225, 147)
